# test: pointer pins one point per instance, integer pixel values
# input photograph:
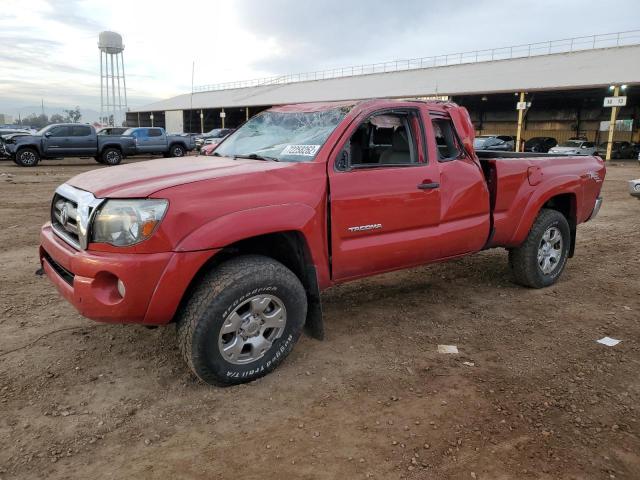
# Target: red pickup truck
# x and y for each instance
(235, 248)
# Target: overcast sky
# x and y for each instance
(49, 47)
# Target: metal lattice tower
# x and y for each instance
(113, 99)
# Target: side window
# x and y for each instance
(60, 132)
(141, 133)
(384, 139)
(155, 132)
(80, 131)
(449, 147)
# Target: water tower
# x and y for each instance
(113, 99)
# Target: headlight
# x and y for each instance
(127, 222)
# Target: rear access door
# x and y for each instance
(384, 196)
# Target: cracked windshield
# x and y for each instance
(283, 136)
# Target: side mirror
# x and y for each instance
(343, 160)
(47, 134)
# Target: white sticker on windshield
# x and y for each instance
(304, 150)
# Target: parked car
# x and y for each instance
(619, 149)
(501, 143)
(236, 251)
(112, 130)
(67, 140)
(208, 148)
(152, 140)
(574, 147)
(634, 188)
(7, 137)
(217, 133)
(540, 144)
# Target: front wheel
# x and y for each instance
(242, 320)
(541, 259)
(27, 157)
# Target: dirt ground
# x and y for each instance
(538, 398)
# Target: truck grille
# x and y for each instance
(64, 217)
(72, 211)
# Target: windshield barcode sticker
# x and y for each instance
(305, 150)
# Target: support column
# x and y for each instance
(520, 119)
(612, 123)
(246, 113)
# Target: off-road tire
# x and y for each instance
(177, 151)
(524, 259)
(27, 157)
(111, 156)
(226, 286)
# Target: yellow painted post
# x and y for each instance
(612, 123)
(520, 119)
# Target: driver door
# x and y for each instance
(385, 198)
(57, 142)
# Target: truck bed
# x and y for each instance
(521, 183)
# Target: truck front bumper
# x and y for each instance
(634, 188)
(119, 288)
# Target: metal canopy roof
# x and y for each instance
(598, 67)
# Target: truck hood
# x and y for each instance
(138, 180)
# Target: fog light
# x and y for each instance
(121, 289)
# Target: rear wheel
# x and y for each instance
(541, 259)
(111, 156)
(27, 157)
(242, 320)
(176, 151)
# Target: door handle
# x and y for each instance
(428, 186)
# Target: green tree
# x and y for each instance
(56, 118)
(73, 115)
(35, 121)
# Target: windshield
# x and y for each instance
(283, 136)
(128, 132)
(480, 141)
(44, 129)
(217, 133)
(571, 143)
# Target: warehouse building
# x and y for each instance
(563, 84)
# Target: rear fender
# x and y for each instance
(540, 197)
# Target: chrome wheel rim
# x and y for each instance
(28, 158)
(248, 332)
(112, 157)
(177, 152)
(550, 250)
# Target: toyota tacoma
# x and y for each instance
(235, 248)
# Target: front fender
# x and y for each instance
(244, 224)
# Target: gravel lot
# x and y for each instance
(537, 399)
